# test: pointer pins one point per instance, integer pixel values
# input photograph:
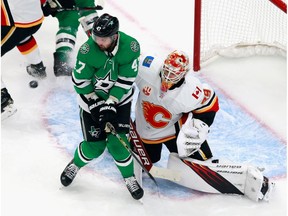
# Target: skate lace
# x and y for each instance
(131, 184)
(71, 171)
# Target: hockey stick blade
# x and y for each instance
(165, 173)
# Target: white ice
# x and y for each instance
(31, 159)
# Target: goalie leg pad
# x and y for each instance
(257, 187)
(188, 178)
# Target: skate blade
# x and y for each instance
(8, 111)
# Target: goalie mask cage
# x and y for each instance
(238, 28)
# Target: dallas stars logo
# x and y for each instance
(84, 49)
(94, 131)
(104, 84)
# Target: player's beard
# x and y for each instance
(109, 48)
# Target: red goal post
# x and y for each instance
(238, 28)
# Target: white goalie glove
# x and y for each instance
(191, 136)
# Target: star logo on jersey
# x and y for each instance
(95, 132)
(105, 83)
(146, 90)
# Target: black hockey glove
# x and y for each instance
(94, 106)
(108, 113)
(52, 7)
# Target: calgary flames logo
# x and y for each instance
(156, 116)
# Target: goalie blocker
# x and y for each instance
(221, 177)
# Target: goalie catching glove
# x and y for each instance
(191, 136)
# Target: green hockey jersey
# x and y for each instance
(107, 73)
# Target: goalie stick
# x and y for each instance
(158, 172)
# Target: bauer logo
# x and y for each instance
(147, 61)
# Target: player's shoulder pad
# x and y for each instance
(130, 41)
(86, 47)
(191, 79)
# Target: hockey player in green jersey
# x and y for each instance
(106, 68)
(68, 27)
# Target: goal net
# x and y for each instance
(238, 28)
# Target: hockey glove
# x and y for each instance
(107, 113)
(94, 106)
(50, 7)
(191, 136)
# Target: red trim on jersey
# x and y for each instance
(5, 20)
(146, 141)
(31, 24)
(212, 106)
(43, 2)
(28, 46)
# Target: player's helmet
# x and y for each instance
(105, 26)
(175, 66)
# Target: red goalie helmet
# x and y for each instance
(175, 66)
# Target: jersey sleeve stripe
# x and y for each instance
(212, 105)
(80, 83)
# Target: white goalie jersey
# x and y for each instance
(158, 111)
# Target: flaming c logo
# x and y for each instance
(156, 116)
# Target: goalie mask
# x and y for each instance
(175, 66)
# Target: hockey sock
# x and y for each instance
(87, 151)
(123, 159)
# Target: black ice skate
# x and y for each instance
(267, 189)
(69, 174)
(134, 188)
(37, 70)
(61, 68)
(7, 104)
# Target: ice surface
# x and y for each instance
(38, 141)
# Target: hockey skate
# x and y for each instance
(267, 189)
(37, 70)
(69, 174)
(61, 67)
(134, 188)
(7, 104)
